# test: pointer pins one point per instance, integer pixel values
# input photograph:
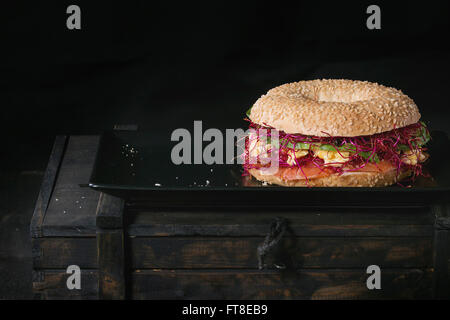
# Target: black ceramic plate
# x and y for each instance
(136, 165)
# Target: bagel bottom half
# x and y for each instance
(349, 179)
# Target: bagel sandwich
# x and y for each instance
(335, 133)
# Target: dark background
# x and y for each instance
(164, 64)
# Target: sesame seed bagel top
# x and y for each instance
(340, 108)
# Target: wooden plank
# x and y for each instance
(71, 211)
(312, 215)
(110, 212)
(301, 284)
(59, 253)
(111, 277)
(237, 230)
(51, 284)
(47, 186)
(178, 253)
(240, 253)
(276, 197)
(441, 280)
(110, 247)
(225, 284)
(332, 222)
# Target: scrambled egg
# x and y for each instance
(413, 156)
(298, 154)
(256, 147)
(333, 158)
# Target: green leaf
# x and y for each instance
(403, 147)
(328, 147)
(348, 147)
(368, 155)
(298, 145)
(249, 111)
(423, 135)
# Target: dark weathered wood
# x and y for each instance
(240, 253)
(443, 223)
(210, 253)
(110, 247)
(313, 215)
(441, 279)
(110, 212)
(111, 274)
(59, 253)
(302, 284)
(71, 210)
(309, 222)
(173, 253)
(273, 197)
(304, 230)
(51, 284)
(47, 186)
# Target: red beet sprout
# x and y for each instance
(386, 146)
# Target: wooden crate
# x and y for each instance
(134, 250)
